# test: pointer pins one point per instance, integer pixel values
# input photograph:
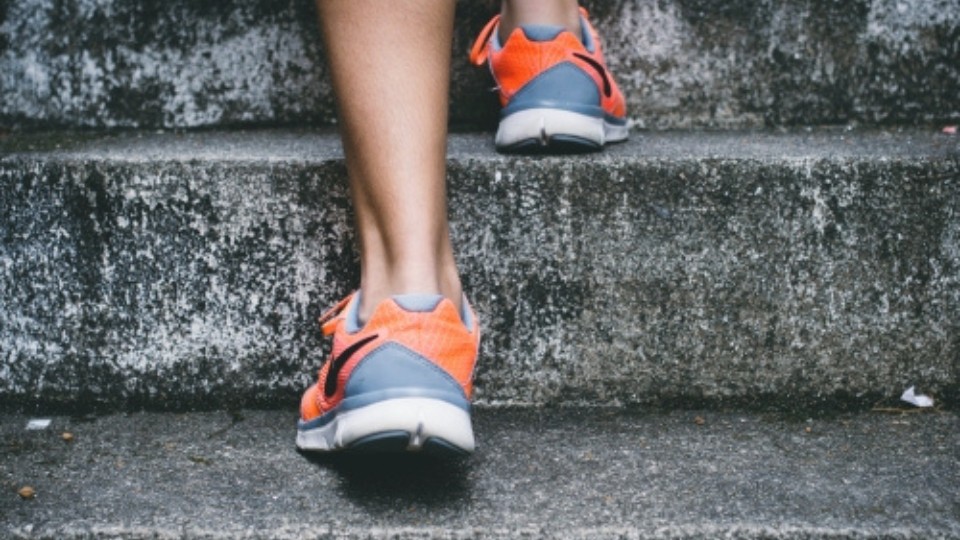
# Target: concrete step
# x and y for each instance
(571, 473)
(173, 270)
(682, 63)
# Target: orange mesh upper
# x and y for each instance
(520, 60)
(439, 336)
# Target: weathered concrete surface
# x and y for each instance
(682, 63)
(172, 270)
(589, 474)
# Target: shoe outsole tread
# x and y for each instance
(399, 442)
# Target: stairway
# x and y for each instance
(702, 332)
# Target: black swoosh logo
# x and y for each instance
(330, 385)
(607, 88)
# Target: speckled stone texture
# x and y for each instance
(581, 474)
(682, 63)
(171, 270)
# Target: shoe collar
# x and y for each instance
(489, 38)
(348, 310)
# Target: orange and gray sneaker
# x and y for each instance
(555, 89)
(400, 382)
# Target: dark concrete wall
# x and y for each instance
(189, 269)
(682, 63)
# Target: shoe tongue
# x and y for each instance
(541, 32)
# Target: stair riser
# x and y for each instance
(681, 63)
(605, 281)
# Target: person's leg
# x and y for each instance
(399, 375)
(513, 13)
(390, 64)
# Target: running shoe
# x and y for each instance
(555, 89)
(401, 382)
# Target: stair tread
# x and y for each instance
(555, 473)
(288, 145)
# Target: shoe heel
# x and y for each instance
(550, 129)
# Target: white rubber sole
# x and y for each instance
(422, 419)
(545, 125)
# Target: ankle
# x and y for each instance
(375, 289)
(515, 13)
